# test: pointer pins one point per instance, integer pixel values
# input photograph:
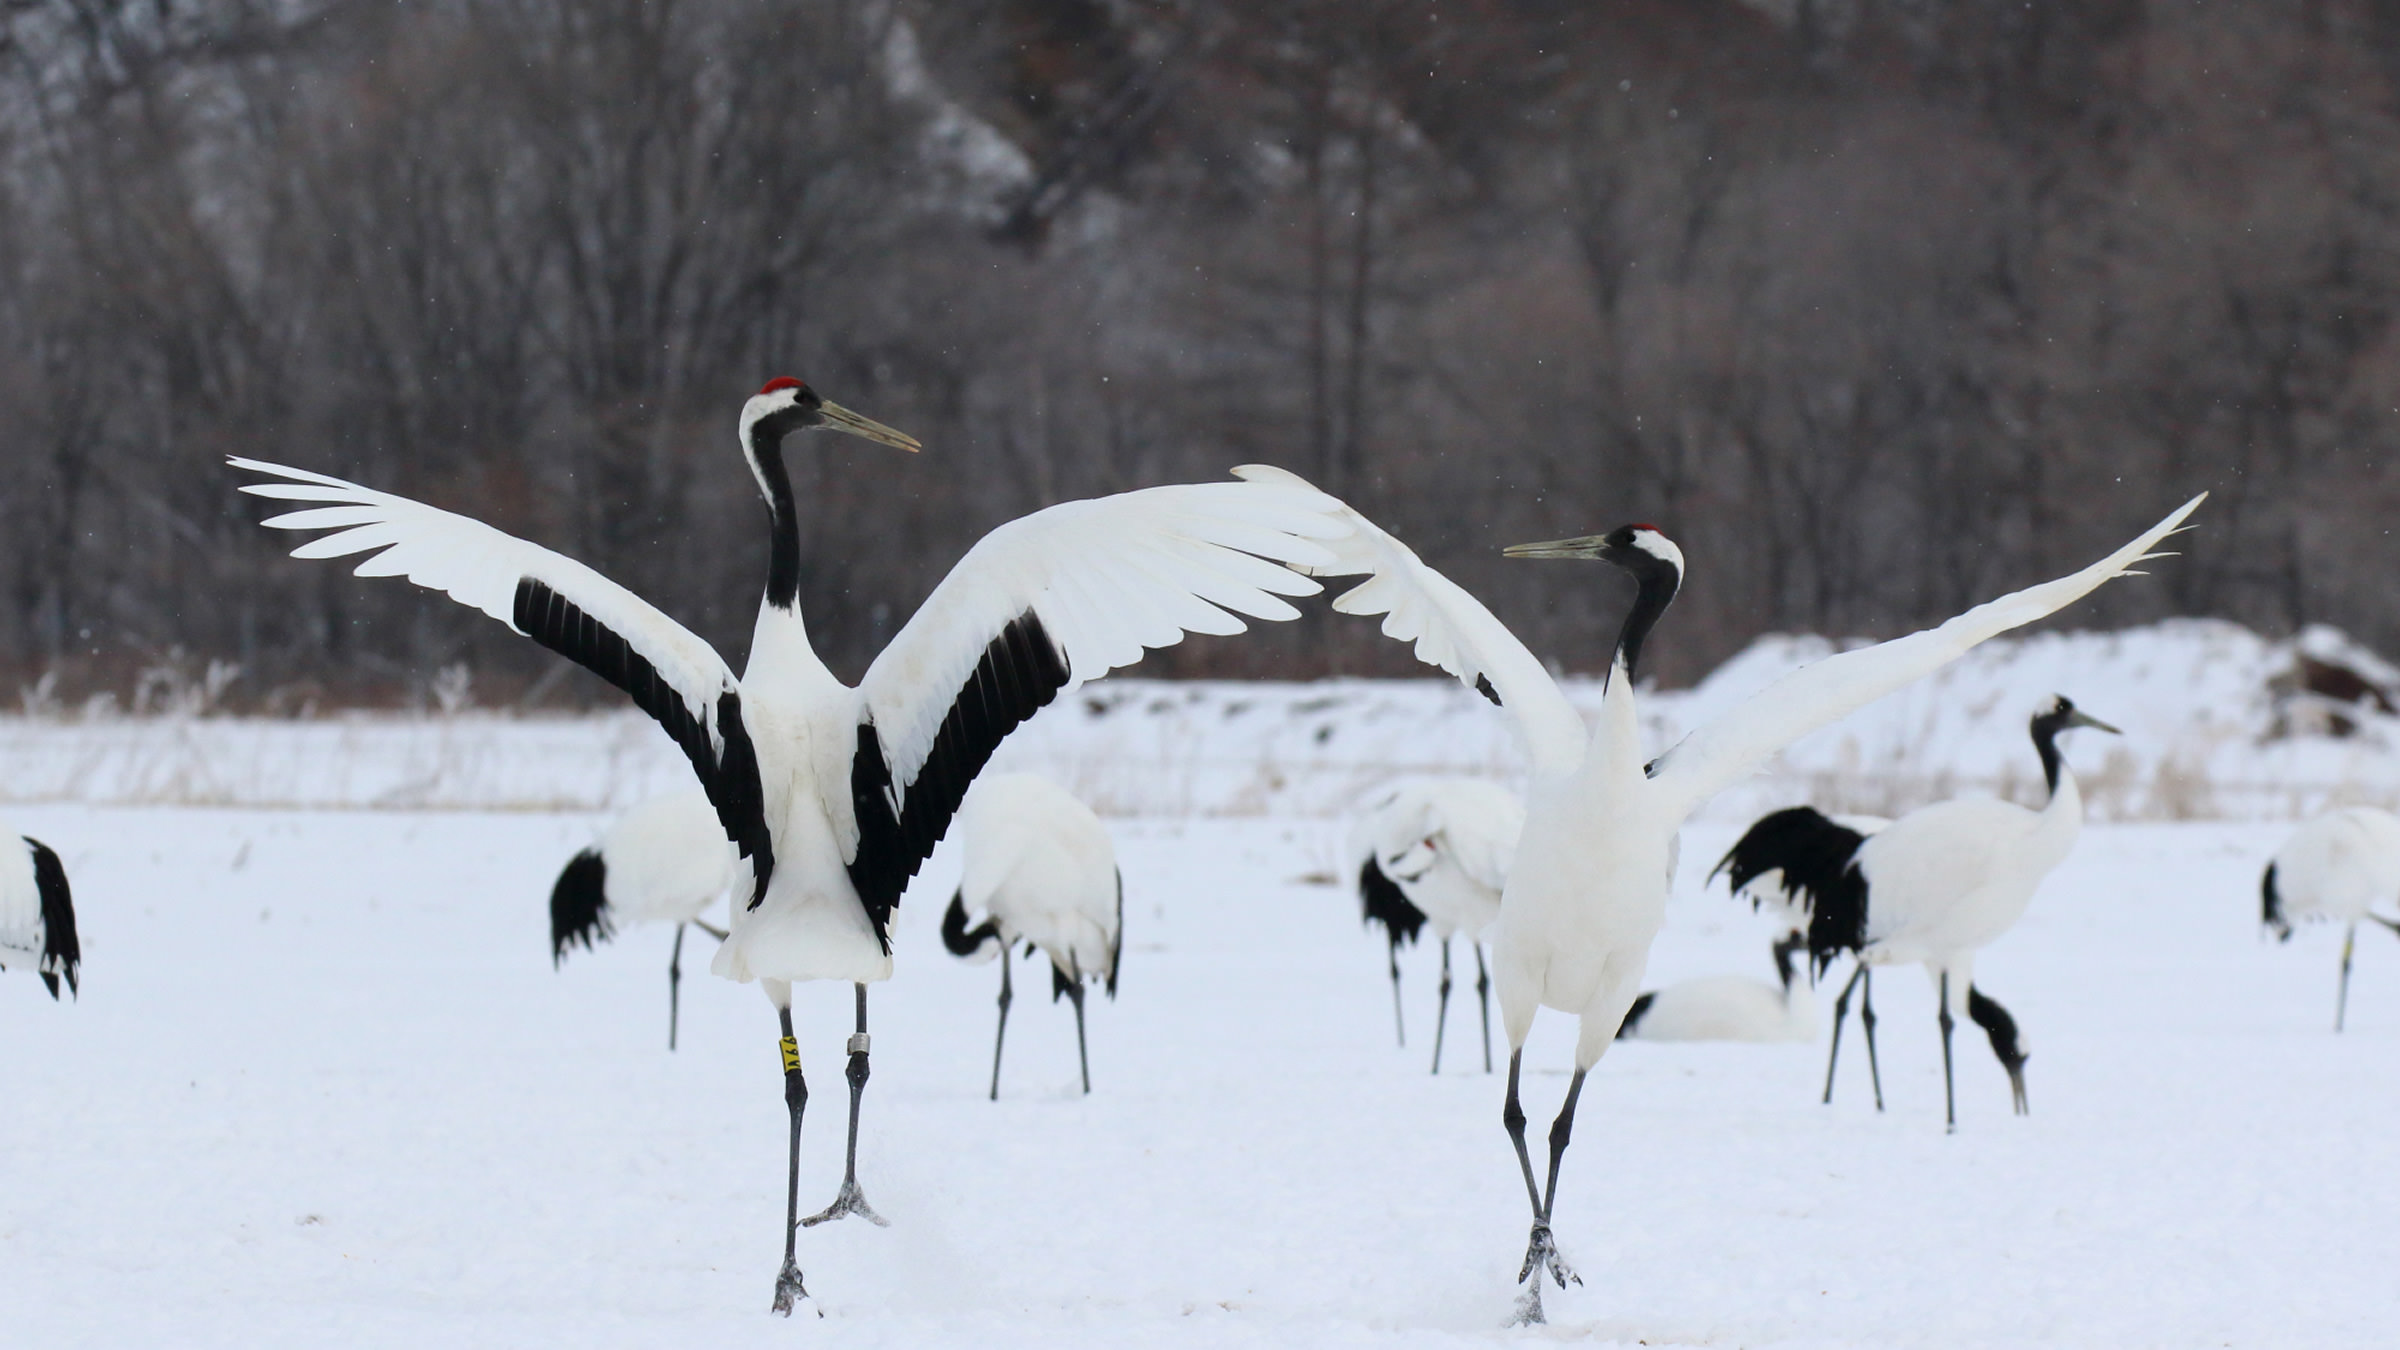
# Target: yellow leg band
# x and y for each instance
(791, 1055)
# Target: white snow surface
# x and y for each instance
(323, 1088)
(2208, 735)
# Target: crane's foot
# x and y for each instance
(851, 1200)
(1541, 1257)
(789, 1290)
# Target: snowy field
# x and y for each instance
(323, 1088)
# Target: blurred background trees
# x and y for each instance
(1877, 306)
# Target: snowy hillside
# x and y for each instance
(2220, 724)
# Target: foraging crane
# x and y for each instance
(837, 794)
(1587, 891)
(1720, 1008)
(1436, 850)
(2334, 867)
(665, 861)
(37, 915)
(1040, 867)
(1932, 888)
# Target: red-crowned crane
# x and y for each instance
(1588, 888)
(665, 861)
(2335, 867)
(1931, 888)
(1040, 868)
(1435, 851)
(835, 794)
(37, 914)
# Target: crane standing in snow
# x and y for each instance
(1041, 867)
(37, 914)
(2335, 867)
(665, 861)
(1932, 888)
(1587, 891)
(1436, 850)
(835, 794)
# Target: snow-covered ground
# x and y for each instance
(323, 1088)
(2218, 726)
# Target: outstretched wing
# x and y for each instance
(1450, 629)
(1043, 604)
(560, 603)
(1735, 745)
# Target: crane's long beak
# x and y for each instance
(2080, 718)
(839, 418)
(1589, 546)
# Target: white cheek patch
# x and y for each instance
(1660, 547)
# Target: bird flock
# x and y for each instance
(815, 803)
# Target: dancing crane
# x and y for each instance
(1040, 866)
(1587, 892)
(665, 861)
(37, 915)
(1931, 888)
(1436, 850)
(2334, 867)
(836, 794)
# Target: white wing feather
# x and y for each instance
(1715, 756)
(1108, 578)
(1452, 630)
(479, 567)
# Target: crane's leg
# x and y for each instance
(711, 929)
(850, 1199)
(1399, 1024)
(1866, 1023)
(1841, 1009)
(674, 986)
(1001, 1036)
(1441, 1015)
(1541, 1250)
(2341, 1003)
(788, 1288)
(1949, 1088)
(1483, 994)
(1082, 1055)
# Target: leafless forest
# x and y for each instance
(1878, 306)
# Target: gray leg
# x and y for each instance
(1399, 1025)
(1541, 1251)
(2341, 1003)
(1000, 1037)
(1082, 1056)
(1949, 1089)
(1841, 1009)
(1441, 1016)
(674, 986)
(1866, 1022)
(851, 1200)
(1483, 993)
(788, 1288)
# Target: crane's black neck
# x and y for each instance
(766, 460)
(2046, 727)
(1657, 580)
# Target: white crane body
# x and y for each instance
(2339, 866)
(1587, 892)
(1042, 865)
(836, 795)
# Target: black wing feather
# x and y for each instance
(730, 774)
(1020, 672)
(62, 953)
(579, 905)
(1382, 901)
(1818, 859)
